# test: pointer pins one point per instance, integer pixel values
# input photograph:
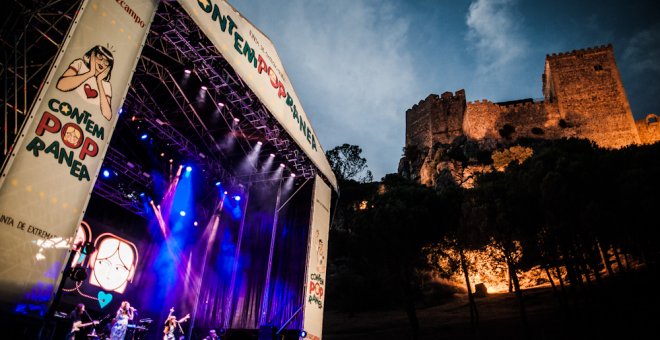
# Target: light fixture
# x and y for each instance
(259, 143)
(221, 104)
(282, 165)
(204, 87)
(236, 120)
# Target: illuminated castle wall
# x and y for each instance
(583, 97)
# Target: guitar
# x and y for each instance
(78, 325)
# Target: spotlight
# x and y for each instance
(225, 192)
(237, 198)
(162, 154)
(236, 120)
(221, 104)
(303, 333)
(106, 173)
(293, 175)
(204, 87)
(260, 143)
(282, 165)
(217, 184)
(272, 155)
(195, 224)
(171, 160)
(187, 71)
(182, 213)
(144, 136)
(121, 110)
(188, 168)
(142, 194)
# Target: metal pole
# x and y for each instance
(265, 298)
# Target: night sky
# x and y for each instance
(357, 66)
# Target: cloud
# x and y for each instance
(642, 53)
(493, 32)
(352, 70)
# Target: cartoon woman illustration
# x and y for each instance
(90, 77)
(113, 263)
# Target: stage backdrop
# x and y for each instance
(53, 166)
(253, 56)
(316, 261)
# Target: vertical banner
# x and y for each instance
(53, 167)
(316, 260)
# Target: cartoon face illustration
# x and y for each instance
(113, 263)
(89, 77)
(71, 135)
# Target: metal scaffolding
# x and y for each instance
(31, 37)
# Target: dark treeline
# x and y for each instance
(584, 215)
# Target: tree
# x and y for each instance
(347, 163)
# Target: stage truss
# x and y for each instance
(31, 37)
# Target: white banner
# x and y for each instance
(316, 261)
(53, 167)
(253, 56)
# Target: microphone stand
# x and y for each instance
(93, 325)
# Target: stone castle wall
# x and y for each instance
(587, 88)
(583, 97)
(649, 129)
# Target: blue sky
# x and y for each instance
(358, 65)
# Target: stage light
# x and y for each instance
(188, 168)
(144, 136)
(293, 175)
(260, 143)
(236, 120)
(195, 224)
(171, 160)
(237, 198)
(303, 333)
(272, 155)
(121, 110)
(221, 104)
(218, 183)
(106, 173)
(182, 213)
(282, 165)
(225, 192)
(142, 194)
(162, 154)
(187, 71)
(204, 87)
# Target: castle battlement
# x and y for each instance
(588, 50)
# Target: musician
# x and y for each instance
(172, 324)
(124, 314)
(77, 332)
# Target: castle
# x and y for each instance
(583, 97)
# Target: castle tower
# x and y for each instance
(436, 119)
(586, 87)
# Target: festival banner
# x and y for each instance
(253, 56)
(317, 253)
(45, 188)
